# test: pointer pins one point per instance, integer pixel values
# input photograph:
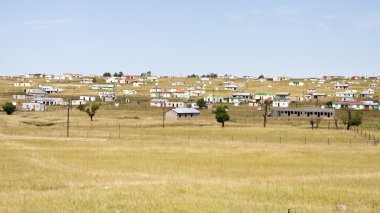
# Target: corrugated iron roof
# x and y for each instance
(182, 110)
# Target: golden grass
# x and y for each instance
(189, 166)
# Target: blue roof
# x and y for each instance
(186, 110)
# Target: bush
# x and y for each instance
(9, 108)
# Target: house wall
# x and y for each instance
(301, 113)
(33, 107)
(171, 115)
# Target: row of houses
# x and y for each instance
(175, 93)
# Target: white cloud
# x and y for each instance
(45, 24)
(233, 17)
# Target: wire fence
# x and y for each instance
(153, 132)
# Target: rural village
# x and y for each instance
(190, 106)
(198, 130)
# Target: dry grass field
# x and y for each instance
(124, 161)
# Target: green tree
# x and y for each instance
(329, 104)
(107, 74)
(89, 108)
(221, 114)
(9, 108)
(201, 103)
(192, 76)
(352, 119)
(116, 74)
(120, 74)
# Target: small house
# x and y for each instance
(242, 95)
(19, 97)
(103, 86)
(27, 107)
(282, 95)
(36, 93)
(357, 105)
(316, 96)
(373, 85)
(78, 102)
(87, 98)
(231, 87)
(367, 93)
(48, 101)
(347, 94)
(158, 102)
(178, 84)
(129, 92)
(112, 80)
(86, 80)
(260, 97)
(296, 83)
(341, 86)
(182, 114)
(174, 104)
(281, 102)
(21, 84)
(49, 89)
(302, 112)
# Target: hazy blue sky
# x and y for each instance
(252, 37)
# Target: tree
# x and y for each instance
(315, 121)
(352, 119)
(201, 103)
(265, 115)
(192, 76)
(89, 108)
(221, 114)
(107, 74)
(213, 75)
(9, 108)
(336, 122)
(261, 76)
(146, 74)
(116, 74)
(120, 74)
(329, 104)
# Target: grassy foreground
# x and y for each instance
(173, 174)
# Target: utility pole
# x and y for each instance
(163, 116)
(68, 117)
(163, 113)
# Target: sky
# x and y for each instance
(297, 38)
